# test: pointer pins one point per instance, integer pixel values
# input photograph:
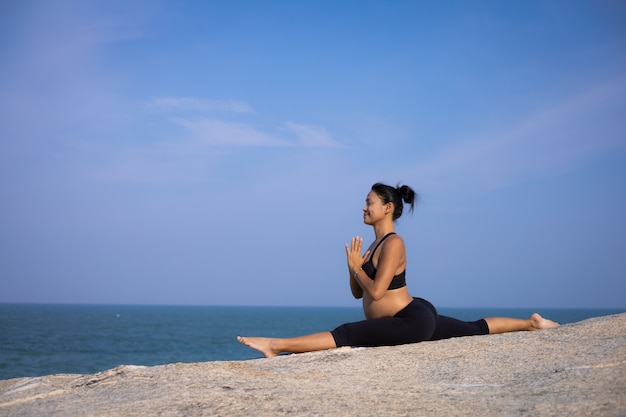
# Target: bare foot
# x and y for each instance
(262, 344)
(539, 322)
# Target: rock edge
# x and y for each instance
(577, 369)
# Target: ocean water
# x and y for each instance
(37, 339)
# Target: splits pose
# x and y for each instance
(393, 316)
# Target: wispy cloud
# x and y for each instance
(182, 104)
(219, 132)
(53, 74)
(547, 142)
(206, 143)
(55, 36)
(313, 136)
(211, 130)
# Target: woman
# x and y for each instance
(393, 316)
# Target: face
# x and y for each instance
(374, 209)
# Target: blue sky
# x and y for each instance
(219, 152)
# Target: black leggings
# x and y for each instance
(417, 322)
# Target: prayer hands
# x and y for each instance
(353, 252)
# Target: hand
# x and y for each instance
(353, 252)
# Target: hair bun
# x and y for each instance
(407, 194)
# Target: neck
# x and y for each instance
(382, 229)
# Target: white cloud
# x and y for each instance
(212, 131)
(311, 136)
(215, 131)
(226, 133)
(218, 132)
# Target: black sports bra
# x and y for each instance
(398, 281)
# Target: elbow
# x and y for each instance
(357, 294)
(377, 295)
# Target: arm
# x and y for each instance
(355, 262)
(356, 289)
(391, 257)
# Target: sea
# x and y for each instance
(45, 339)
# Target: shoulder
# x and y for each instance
(393, 243)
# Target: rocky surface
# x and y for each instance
(577, 369)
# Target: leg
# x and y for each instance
(272, 347)
(505, 324)
(414, 323)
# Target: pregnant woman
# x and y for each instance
(392, 315)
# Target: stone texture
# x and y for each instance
(577, 369)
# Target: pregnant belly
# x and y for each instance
(388, 306)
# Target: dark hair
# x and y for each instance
(396, 196)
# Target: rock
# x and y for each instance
(576, 369)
